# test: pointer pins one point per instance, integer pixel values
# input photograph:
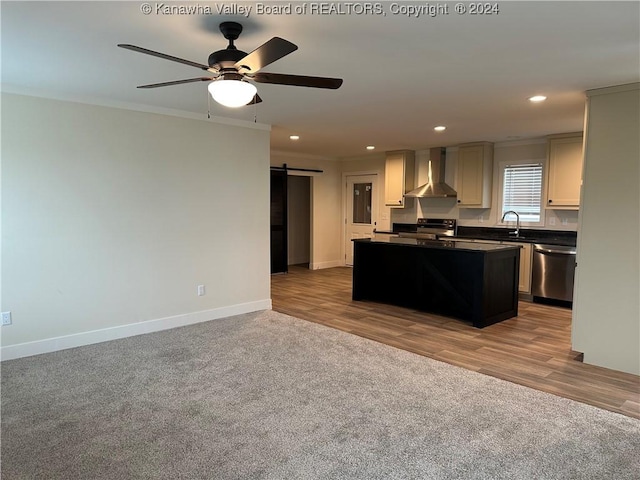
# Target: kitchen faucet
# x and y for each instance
(517, 232)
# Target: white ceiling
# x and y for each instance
(402, 76)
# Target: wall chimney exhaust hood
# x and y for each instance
(435, 187)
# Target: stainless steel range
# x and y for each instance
(432, 229)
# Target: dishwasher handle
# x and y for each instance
(553, 250)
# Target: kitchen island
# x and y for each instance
(475, 282)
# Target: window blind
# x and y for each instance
(522, 191)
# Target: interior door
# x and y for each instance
(361, 210)
(279, 249)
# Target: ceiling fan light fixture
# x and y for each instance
(232, 93)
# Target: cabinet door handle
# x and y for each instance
(459, 201)
(550, 201)
(399, 201)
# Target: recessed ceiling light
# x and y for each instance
(370, 147)
(537, 98)
(294, 137)
(440, 128)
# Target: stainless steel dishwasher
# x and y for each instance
(553, 271)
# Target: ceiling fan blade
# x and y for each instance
(165, 56)
(297, 80)
(267, 53)
(177, 82)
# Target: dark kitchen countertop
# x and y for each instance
(549, 237)
(527, 235)
(420, 243)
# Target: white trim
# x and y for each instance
(137, 107)
(627, 87)
(28, 349)
(321, 265)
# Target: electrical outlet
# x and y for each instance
(6, 318)
(201, 290)
(480, 219)
(552, 221)
(565, 221)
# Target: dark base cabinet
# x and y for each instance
(480, 286)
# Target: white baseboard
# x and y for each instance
(28, 349)
(321, 265)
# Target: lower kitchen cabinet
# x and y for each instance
(526, 260)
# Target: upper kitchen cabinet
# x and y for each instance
(564, 171)
(399, 176)
(474, 175)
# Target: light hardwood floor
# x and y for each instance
(532, 349)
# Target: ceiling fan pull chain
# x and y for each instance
(208, 105)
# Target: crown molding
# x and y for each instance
(103, 102)
(628, 87)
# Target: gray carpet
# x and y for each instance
(267, 396)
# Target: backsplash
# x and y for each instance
(564, 220)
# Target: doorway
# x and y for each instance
(299, 216)
(290, 219)
(361, 210)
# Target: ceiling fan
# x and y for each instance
(231, 68)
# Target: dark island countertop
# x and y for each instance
(444, 244)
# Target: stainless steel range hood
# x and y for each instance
(435, 187)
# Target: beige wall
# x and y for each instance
(606, 315)
(112, 217)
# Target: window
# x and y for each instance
(362, 203)
(522, 191)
